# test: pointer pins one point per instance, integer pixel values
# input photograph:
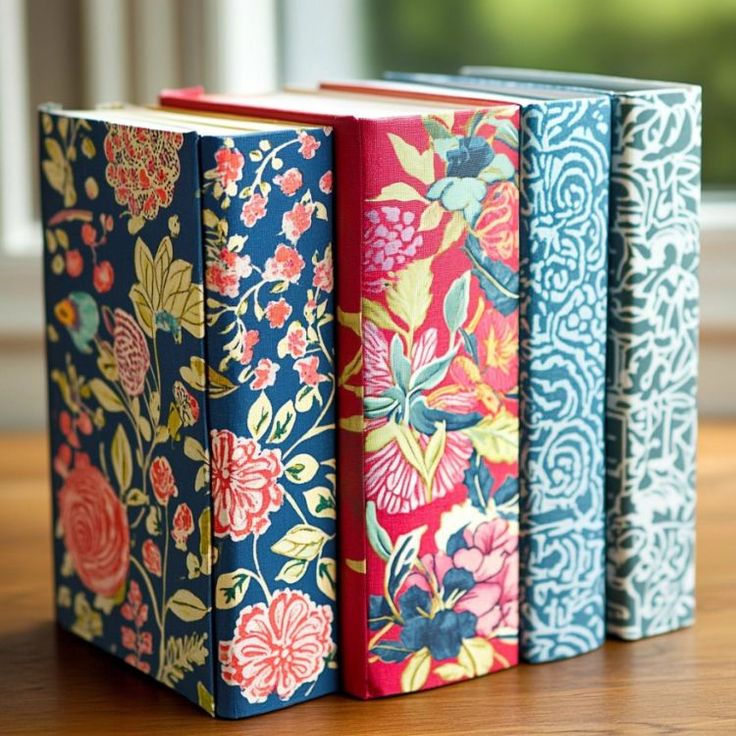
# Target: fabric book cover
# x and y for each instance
(190, 329)
(564, 209)
(428, 371)
(651, 383)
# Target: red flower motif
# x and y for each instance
(244, 485)
(324, 273)
(139, 642)
(103, 276)
(289, 181)
(278, 312)
(229, 167)
(151, 557)
(186, 404)
(250, 340)
(498, 225)
(183, 524)
(265, 374)
(131, 353)
(295, 223)
(279, 648)
(325, 182)
(286, 265)
(89, 234)
(96, 533)
(309, 144)
(296, 340)
(307, 369)
(253, 210)
(162, 480)
(134, 609)
(143, 166)
(74, 263)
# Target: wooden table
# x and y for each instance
(51, 682)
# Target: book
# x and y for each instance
(564, 209)
(190, 333)
(428, 371)
(651, 385)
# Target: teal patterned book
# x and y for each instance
(564, 171)
(190, 321)
(651, 385)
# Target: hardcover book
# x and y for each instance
(564, 209)
(427, 248)
(651, 383)
(190, 322)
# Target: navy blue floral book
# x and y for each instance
(189, 312)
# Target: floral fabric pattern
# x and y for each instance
(438, 372)
(125, 317)
(195, 502)
(269, 282)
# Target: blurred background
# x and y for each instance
(82, 52)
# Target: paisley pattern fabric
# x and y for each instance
(652, 361)
(564, 208)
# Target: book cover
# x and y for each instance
(651, 384)
(191, 403)
(564, 208)
(428, 372)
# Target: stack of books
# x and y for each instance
(441, 424)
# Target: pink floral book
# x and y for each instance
(427, 260)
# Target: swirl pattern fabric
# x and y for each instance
(652, 364)
(564, 208)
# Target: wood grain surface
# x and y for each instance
(685, 682)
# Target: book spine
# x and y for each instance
(652, 362)
(267, 234)
(439, 417)
(124, 321)
(565, 163)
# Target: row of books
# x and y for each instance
(449, 421)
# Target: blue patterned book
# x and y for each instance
(651, 384)
(188, 271)
(565, 164)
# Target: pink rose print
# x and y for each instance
(143, 166)
(250, 340)
(96, 533)
(73, 263)
(491, 555)
(289, 181)
(393, 483)
(103, 277)
(183, 526)
(244, 485)
(265, 374)
(278, 312)
(131, 353)
(223, 273)
(229, 168)
(325, 182)
(307, 369)
(162, 480)
(277, 648)
(138, 642)
(151, 557)
(390, 239)
(309, 144)
(254, 209)
(296, 340)
(323, 273)
(295, 223)
(285, 265)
